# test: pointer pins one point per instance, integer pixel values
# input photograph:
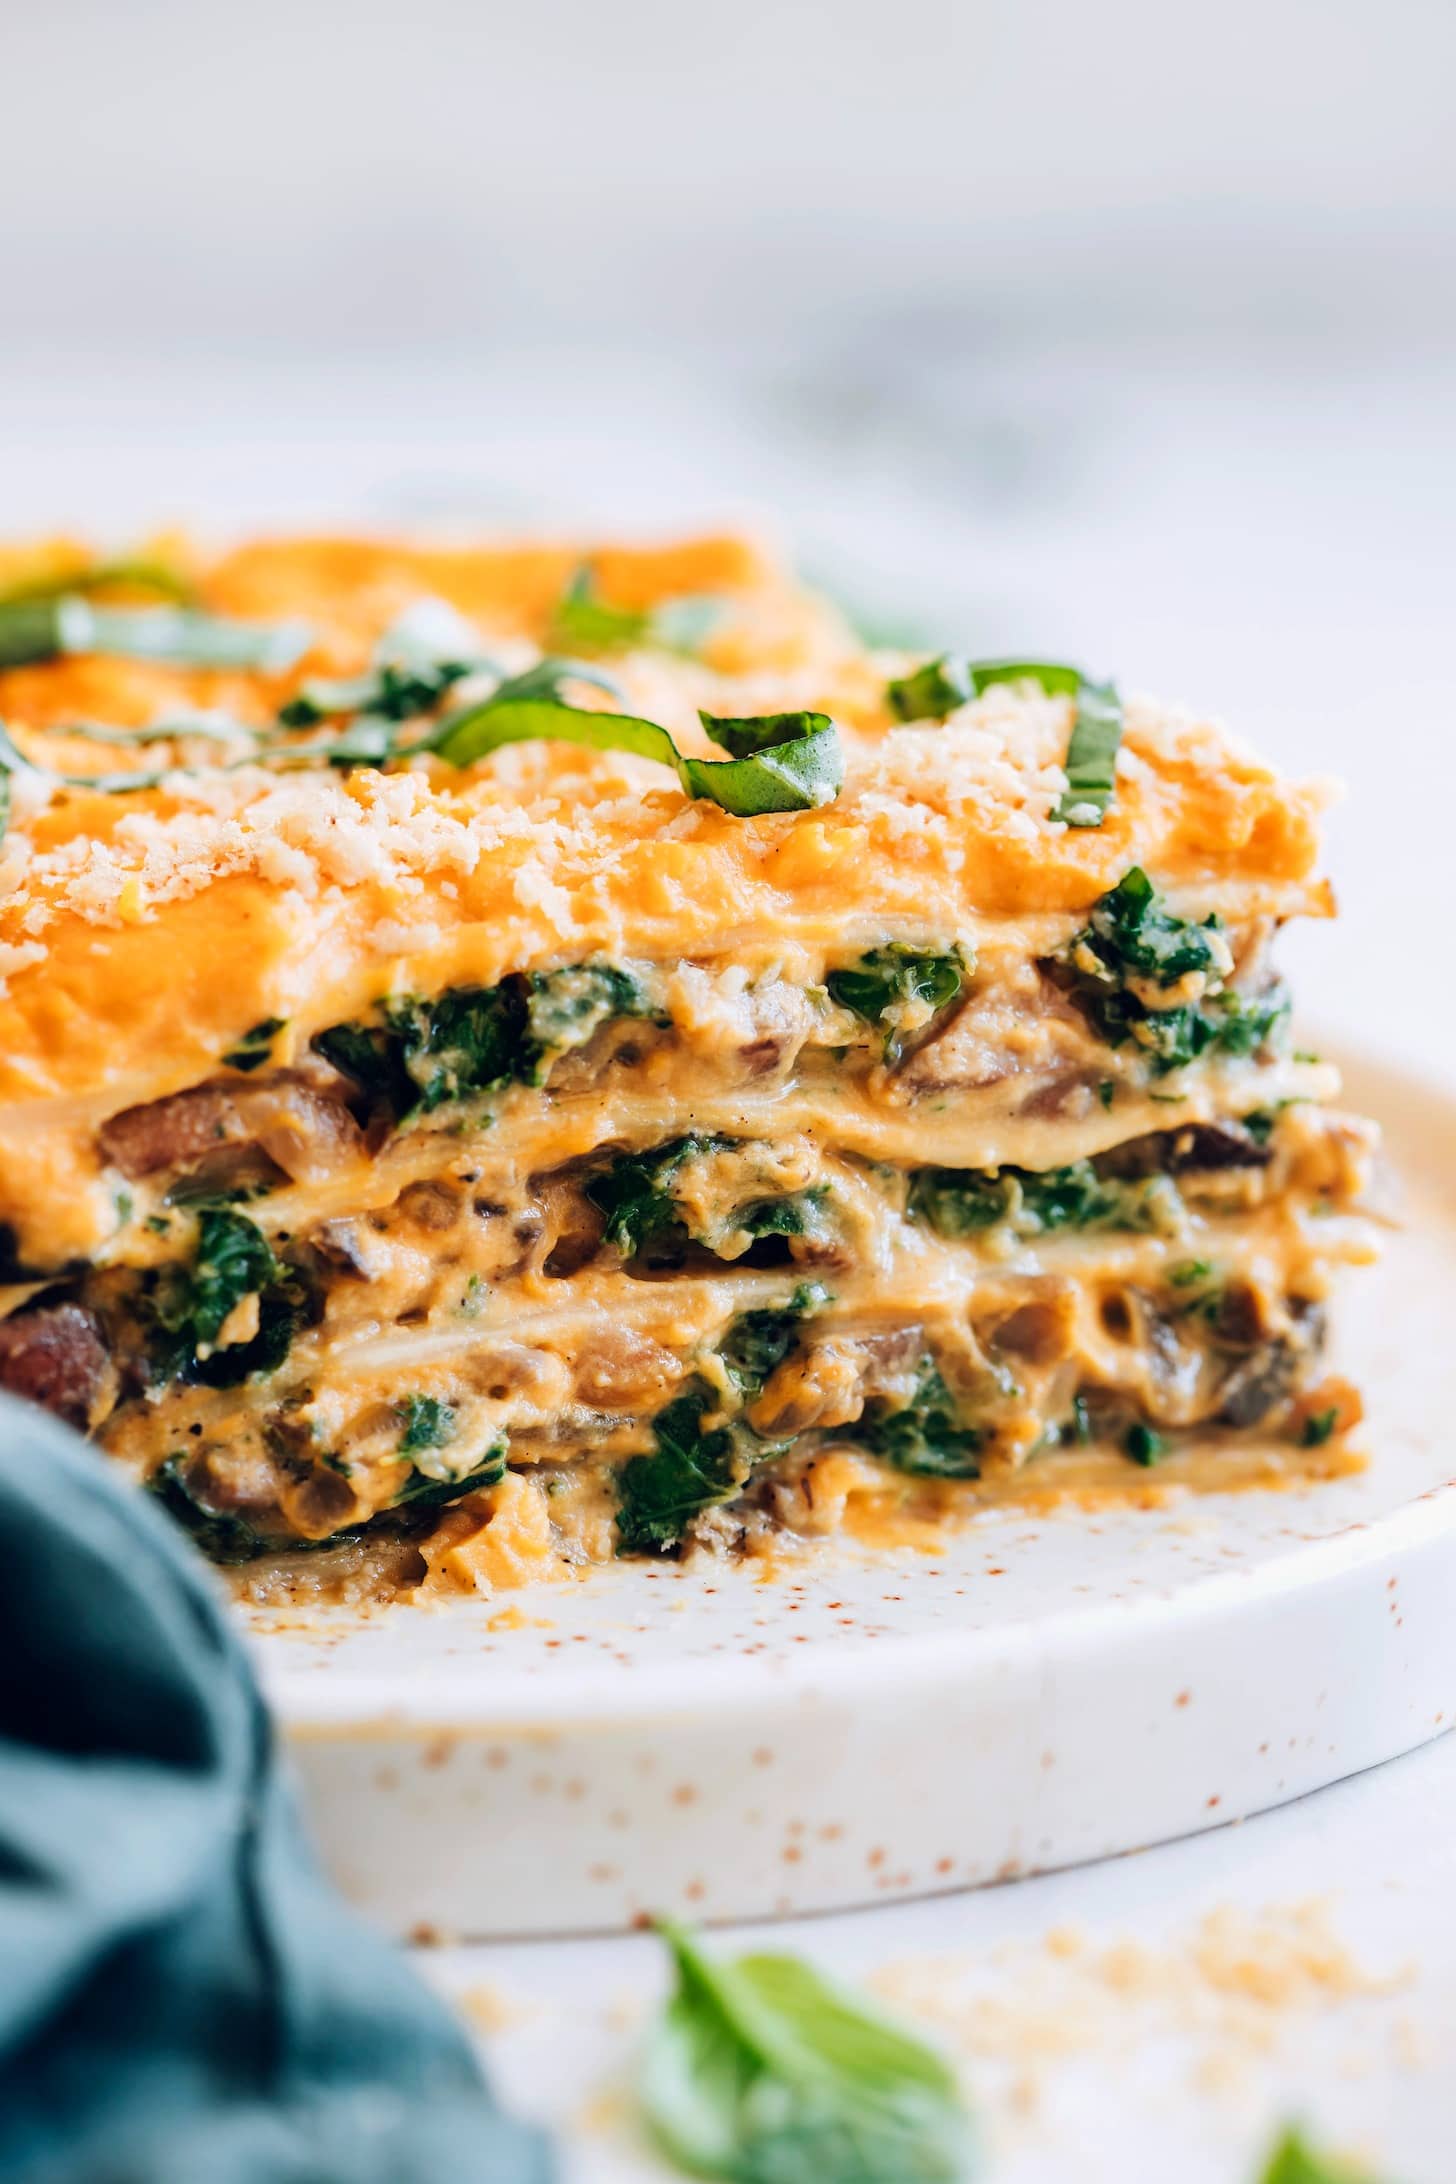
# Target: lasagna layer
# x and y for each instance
(518, 1161)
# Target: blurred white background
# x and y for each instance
(1122, 330)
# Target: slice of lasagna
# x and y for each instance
(511, 1057)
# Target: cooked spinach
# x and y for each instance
(635, 1194)
(221, 1534)
(426, 1422)
(961, 1202)
(757, 1343)
(256, 1045)
(689, 1470)
(188, 1306)
(879, 984)
(1132, 940)
(434, 1490)
(790, 1216)
(1143, 1444)
(468, 1039)
(926, 1436)
(564, 1009)
(395, 691)
(760, 2072)
(471, 1039)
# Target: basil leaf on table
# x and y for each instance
(760, 2072)
(1294, 2161)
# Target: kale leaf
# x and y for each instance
(925, 1436)
(429, 1490)
(427, 1422)
(635, 1195)
(223, 1536)
(690, 1470)
(757, 1343)
(878, 986)
(471, 1039)
(1130, 939)
(188, 1307)
(256, 1045)
(961, 1202)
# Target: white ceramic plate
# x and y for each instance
(1045, 1690)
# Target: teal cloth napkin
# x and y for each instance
(183, 1998)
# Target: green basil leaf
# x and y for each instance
(137, 574)
(945, 683)
(1294, 2161)
(781, 762)
(1055, 677)
(938, 688)
(584, 619)
(1092, 756)
(761, 2072)
(48, 628)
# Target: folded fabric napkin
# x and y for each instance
(183, 1998)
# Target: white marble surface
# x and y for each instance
(1301, 1964)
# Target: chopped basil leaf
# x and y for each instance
(1143, 1444)
(760, 2072)
(938, 688)
(583, 619)
(1054, 676)
(393, 692)
(50, 628)
(1294, 2161)
(1320, 1427)
(944, 684)
(1092, 756)
(781, 762)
